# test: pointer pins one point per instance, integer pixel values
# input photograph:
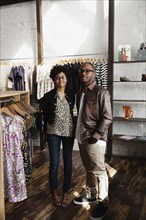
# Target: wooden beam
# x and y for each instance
(110, 66)
(2, 204)
(111, 41)
(39, 29)
(10, 2)
(40, 51)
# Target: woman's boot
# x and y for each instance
(64, 201)
(55, 198)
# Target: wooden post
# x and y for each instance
(2, 204)
(110, 67)
(40, 53)
(39, 29)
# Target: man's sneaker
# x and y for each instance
(84, 199)
(99, 211)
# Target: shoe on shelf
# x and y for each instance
(85, 199)
(55, 198)
(124, 79)
(99, 211)
(64, 201)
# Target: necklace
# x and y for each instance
(61, 95)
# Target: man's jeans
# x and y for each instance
(54, 143)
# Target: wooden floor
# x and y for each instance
(127, 192)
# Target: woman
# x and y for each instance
(58, 120)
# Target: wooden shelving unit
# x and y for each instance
(117, 69)
(17, 95)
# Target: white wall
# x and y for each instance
(130, 24)
(18, 31)
(75, 27)
(69, 28)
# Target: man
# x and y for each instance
(94, 118)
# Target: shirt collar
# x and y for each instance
(90, 87)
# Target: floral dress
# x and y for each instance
(14, 176)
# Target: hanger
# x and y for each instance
(23, 105)
(15, 107)
(7, 112)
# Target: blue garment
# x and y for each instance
(17, 75)
(54, 143)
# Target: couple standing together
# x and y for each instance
(94, 117)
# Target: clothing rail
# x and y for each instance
(29, 58)
(77, 55)
(53, 57)
(17, 62)
(75, 60)
(7, 100)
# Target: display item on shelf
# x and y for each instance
(141, 53)
(124, 79)
(143, 77)
(127, 111)
(124, 52)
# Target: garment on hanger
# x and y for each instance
(44, 82)
(16, 75)
(20, 77)
(4, 70)
(18, 123)
(101, 73)
(14, 175)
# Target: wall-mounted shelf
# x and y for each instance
(129, 81)
(132, 61)
(129, 138)
(128, 100)
(129, 120)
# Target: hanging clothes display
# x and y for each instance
(101, 72)
(17, 121)
(20, 77)
(72, 66)
(16, 75)
(4, 70)
(14, 176)
(44, 82)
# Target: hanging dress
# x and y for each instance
(14, 176)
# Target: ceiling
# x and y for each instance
(9, 2)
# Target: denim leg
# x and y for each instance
(67, 143)
(54, 143)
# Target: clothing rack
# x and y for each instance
(2, 204)
(17, 95)
(101, 56)
(77, 55)
(17, 62)
(29, 58)
(7, 100)
(8, 96)
(65, 60)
